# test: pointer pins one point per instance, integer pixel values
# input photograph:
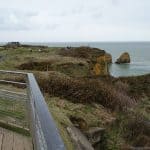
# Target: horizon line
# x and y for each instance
(72, 41)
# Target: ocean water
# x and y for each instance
(139, 53)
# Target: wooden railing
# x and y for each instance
(44, 132)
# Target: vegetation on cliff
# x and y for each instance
(80, 92)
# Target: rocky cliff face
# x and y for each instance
(97, 58)
(124, 58)
(100, 67)
(108, 58)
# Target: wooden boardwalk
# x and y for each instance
(13, 141)
(24, 108)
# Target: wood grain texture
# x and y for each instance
(12, 141)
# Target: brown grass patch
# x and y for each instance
(67, 65)
(138, 86)
(82, 52)
(84, 90)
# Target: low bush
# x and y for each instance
(35, 65)
(134, 127)
(81, 52)
(138, 86)
(84, 90)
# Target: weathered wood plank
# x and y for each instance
(7, 143)
(18, 143)
(13, 141)
(1, 140)
(27, 143)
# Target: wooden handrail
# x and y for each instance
(43, 130)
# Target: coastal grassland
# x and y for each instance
(138, 86)
(130, 125)
(120, 105)
(89, 116)
(48, 59)
(131, 128)
(122, 129)
(11, 57)
(84, 90)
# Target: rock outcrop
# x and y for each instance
(124, 58)
(79, 139)
(79, 123)
(108, 58)
(96, 137)
(99, 67)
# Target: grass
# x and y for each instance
(138, 86)
(13, 57)
(17, 115)
(118, 104)
(85, 111)
(82, 52)
(25, 59)
(15, 129)
(131, 128)
(94, 115)
(67, 65)
(114, 139)
(82, 90)
(62, 110)
(12, 116)
(13, 111)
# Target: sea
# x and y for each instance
(139, 53)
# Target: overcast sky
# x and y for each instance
(74, 20)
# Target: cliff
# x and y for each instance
(100, 66)
(120, 105)
(95, 57)
(108, 58)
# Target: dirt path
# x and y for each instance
(12, 141)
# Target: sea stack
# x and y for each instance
(124, 58)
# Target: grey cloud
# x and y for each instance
(52, 26)
(72, 11)
(15, 19)
(97, 15)
(115, 2)
(67, 19)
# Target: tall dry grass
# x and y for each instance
(84, 90)
(81, 52)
